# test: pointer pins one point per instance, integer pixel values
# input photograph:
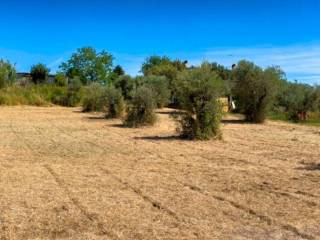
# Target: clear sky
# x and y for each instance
(270, 32)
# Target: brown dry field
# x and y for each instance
(69, 175)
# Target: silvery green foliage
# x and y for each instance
(7, 73)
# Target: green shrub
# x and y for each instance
(316, 99)
(141, 110)
(61, 80)
(39, 73)
(74, 94)
(59, 96)
(3, 100)
(40, 95)
(7, 74)
(126, 84)
(160, 87)
(254, 89)
(164, 66)
(296, 100)
(198, 96)
(93, 100)
(17, 95)
(202, 126)
(114, 101)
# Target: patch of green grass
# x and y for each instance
(311, 122)
(277, 116)
(314, 118)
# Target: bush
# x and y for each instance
(93, 98)
(39, 73)
(198, 96)
(296, 100)
(160, 87)
(7, 74)
(141, 111)
(164, 66)
(59, 96)
(254, 89)
(41, 95)
(38, 95)
(74, 94)
(114, 101)
(61, 80)
(126, 84)
(202, 126)
(316, 99)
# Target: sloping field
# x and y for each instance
(69, 175)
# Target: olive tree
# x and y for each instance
(297, 100)
(316, 99)
(160, 88)
(7, 73)
(254, 89)
(125, 83)
(164, 66)
(114, 102)
(141, 109)
(198, 97)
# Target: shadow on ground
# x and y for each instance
(97, 118)
(177, 112)
(310, 166)
(160, 138)
(233, 121)
(117, 125)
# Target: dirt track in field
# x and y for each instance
(69, 175)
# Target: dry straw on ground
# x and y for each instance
(69, 175)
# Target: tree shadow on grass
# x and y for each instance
(312, 166)
(170, 113)
(97, 118)
(118, 125)
(234, 121)
(161, 138)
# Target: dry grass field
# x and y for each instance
(69, 175)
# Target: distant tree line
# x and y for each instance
(90, 78)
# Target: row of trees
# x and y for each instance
(197, 92)
(165, 82)
(296, 100)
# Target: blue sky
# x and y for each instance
(281, 32)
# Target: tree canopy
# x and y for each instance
(198, 93)
(297, 100)
(39, 73)
(89, 65)
(163, 66)
(254, 89)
